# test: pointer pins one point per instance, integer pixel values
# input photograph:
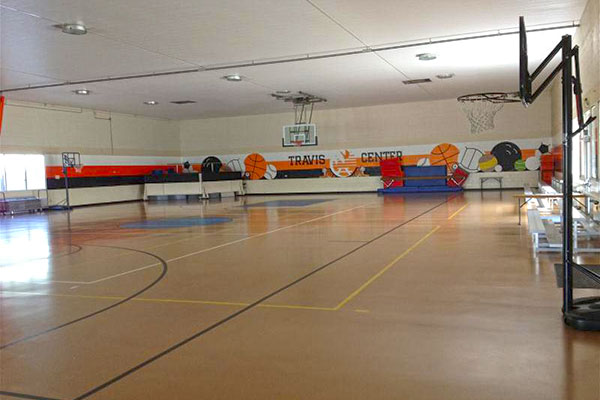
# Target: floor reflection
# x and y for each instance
(25, 250)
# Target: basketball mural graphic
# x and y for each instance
(487, 163)
(444, 154)
(485, 156)
(507, 153)
(256, 166)
(344, 164)
(469, 159)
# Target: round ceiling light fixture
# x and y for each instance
(445, 76)
(82, 92)
(151, 102)
(426, 56)
(233, 78)
(73, 29)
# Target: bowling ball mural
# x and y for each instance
(211, 164)
(507, 153)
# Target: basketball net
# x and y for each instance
(297, 143)
(481, 115)
(481, 108)
(78, 168)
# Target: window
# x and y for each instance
(22, 172)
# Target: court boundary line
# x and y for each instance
(339, 305)
(209, 248)
(25, 396)
(457, 212)
(107, 308)
(249, 307)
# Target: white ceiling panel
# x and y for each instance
(45, 50)
(388, 21)
(480, 65)
(142, 36)
(11, 78)
(203, 32)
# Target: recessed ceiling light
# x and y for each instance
(233, 78)
(73, 29)
(151, 102)
(82, 92)
(445, 76)
(426, 56)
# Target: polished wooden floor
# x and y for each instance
(357, 297)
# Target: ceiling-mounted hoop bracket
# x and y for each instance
(303, 104)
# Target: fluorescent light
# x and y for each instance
(426, 56)
(82, 92)
(233, 78)
(151, 102)
(445, 76)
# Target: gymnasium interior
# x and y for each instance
(164, 235)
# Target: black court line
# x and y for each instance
(249, 307)
(25, 396)
(118, 303)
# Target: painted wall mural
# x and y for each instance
(484, 156)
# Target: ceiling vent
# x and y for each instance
(183, 102)
(416, 81)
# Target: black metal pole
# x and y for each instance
(567, 100)
(66, 173)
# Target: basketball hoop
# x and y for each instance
(78, 168)
(481, 108)
(297, 143)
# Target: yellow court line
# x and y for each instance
(238, 304)
(456, 213)
(382, 271)
(179, 301)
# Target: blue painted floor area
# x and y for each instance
(287, 203)
(175, 223)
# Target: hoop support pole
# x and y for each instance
(567, 103)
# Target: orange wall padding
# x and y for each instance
(108, 170)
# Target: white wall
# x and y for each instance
(37, 128)
(587, 37)
(375, 126)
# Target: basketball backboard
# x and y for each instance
(524, 76)
(299, 135)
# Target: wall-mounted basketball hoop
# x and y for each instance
(70, 160)
(481, 108)
(303, 132)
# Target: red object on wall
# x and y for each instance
(391, 173)
(458, 178)
(547, 168)
(2, 101)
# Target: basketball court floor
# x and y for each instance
(288, 297)
(299, 200)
